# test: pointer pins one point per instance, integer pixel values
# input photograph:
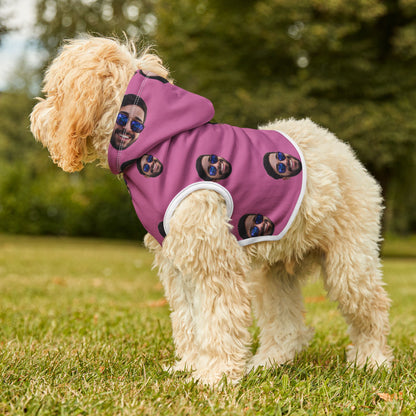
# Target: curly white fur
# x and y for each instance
(211, 281)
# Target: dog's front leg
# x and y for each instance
(179, 295)
(209, 295)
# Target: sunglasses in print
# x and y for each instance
(212, 170)
(280, 166)
(135, 125)
(255, 231)
(146, 166)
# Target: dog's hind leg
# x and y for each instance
(278, 306)
(215, 304)
(352, 277)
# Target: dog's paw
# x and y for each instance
(282, 351)
(269, 361)
(369, 357)
(181, 365)
(215, 379)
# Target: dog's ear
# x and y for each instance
(66, 148)
(73, 113)
(83, 89)
(65, 119)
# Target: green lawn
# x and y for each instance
(84, 330)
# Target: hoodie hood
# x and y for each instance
(168, 110)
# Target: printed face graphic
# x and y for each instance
(214, 167)
(129, 125)
(283, 164)
(256, 225)
(149, 166)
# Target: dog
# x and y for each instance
(214, 276)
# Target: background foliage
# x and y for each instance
(350, 66)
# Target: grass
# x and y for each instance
(84, 330)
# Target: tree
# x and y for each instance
(36, 197)
(4, 28)
(350, 66)
(61, 19)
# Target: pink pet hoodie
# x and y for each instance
(168, 149)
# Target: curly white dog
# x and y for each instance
(236, 217)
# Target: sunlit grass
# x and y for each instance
(84, 330)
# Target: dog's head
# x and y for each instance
(83, 88)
